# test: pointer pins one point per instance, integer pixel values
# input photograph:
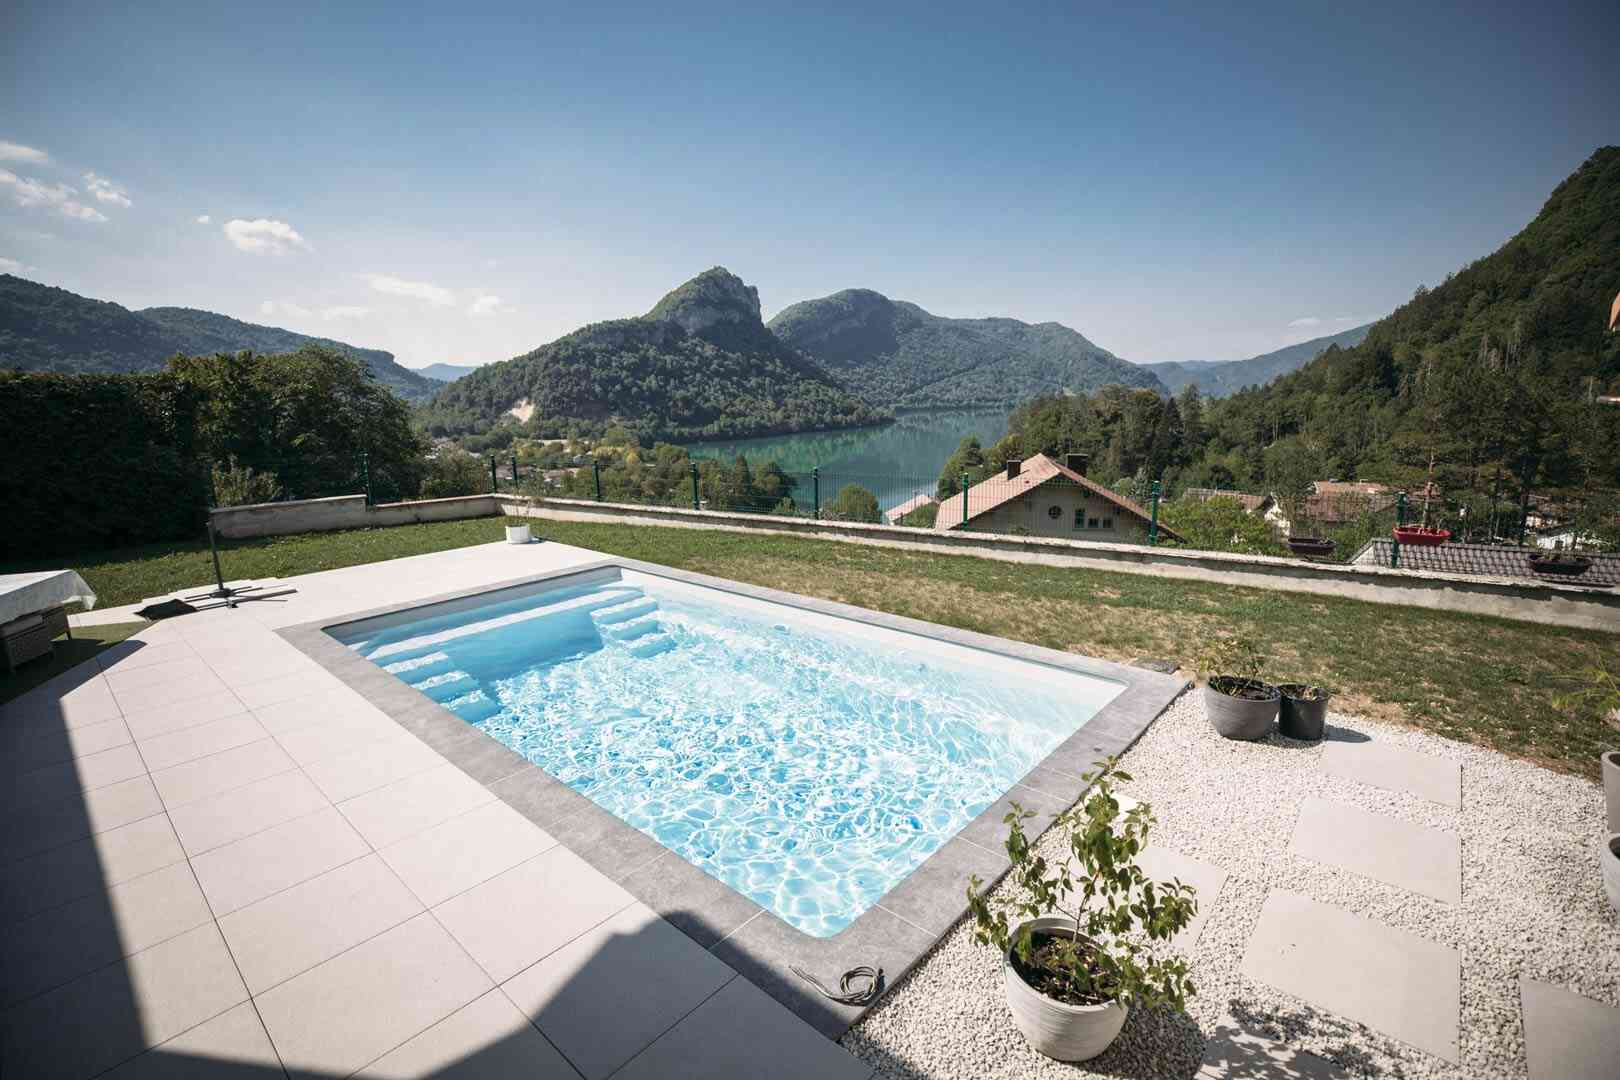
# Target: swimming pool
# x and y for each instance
(809, 762)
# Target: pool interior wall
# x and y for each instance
(806, 760)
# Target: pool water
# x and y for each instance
(809, 762)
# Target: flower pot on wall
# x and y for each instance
(1055, 1028)
(1241, 708)
(1558, 564)
(1419, 536)
(517, 534)
(1610, 764)
(1304, 711)
(1611, 870)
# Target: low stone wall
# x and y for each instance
(1563, 605)
(343, 512)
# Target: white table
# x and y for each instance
(25, 594)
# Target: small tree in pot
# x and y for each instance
(1241, 705)
(1079, 954)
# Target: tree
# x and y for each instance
(451, 473)
(1292, 468)
(854, 503)
(969, 459)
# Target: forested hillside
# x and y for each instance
(1222, 377)
(895, 353)
(700, 365)
(43, 328)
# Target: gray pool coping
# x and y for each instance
(894, 934)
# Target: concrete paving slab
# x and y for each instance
(335, 736)
(1381, 765)
(414, 804)
(321, 707)
(344, 1014)
(278, 688)
(373, 766)
(35, 829)
(132, 653)
(66, 778)
(708, 1044)
(87, 866)
(253, 868)
(1161, 863)
(1235, 1054)
(606, 995)
(1401, 984)
(231, 815)
(1568, 1037)
(1387, 849)
(149, 723)
(189, 744)
(202, 778)
(465, 851)
(231, 1046)
(487, 1040)
(49, 743)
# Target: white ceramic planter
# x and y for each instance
(517, 534)
(1610, 760)
(1064, 1032)
(1611, 870)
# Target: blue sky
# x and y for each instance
(463, 183)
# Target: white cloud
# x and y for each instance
(204, 219)
(281, 307)
(417, 290)
(11, 266)
(1306, 322)
(10, 151)
(265, 236)
(485, 304)
(58, 197)
(106, 191)
(345, 311)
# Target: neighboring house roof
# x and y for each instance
(916, 501)
(997, 490)
(1346, 506)
(1250, 502)
(1348, 487)
(1490, 560)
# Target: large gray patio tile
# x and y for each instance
(1566, 1036)
(765, 949)
(1387, 849)
(250, 869)
(187, 680)
(336, 1018)
(231, 1046)
(741, 1034)
(487, 1040)
(256, 665)
(231, 815)
(36, 748)
(934, 895)
(530, 911)
(319, 707)
(87, 866)
(227, 770)
(373, 766)
(115, 1012)
(1235, 1054)
(987, 829)
(609, 993)
(181, 669)
(66, 778)
(308, 924)
(189, 744)
(284, 687)
(59, 945)
(1161, 863)
(150, 723)
(467, 850)
(132, 653)
(40, 828)
(336, 734)
(604, 840)
(1381, 765)
(74, 699)
(409, 806)
(1388, 979)
(701, 907)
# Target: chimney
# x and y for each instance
(1013, 466)
(1077, 463)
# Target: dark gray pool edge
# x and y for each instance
(895, 934)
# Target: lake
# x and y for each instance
(895, 461)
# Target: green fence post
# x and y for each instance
(365, 470)
(1395, 541)
(697, 503)
(815, 493)
(1153, 523)
(596, 472)
(494, 481)
(964, 497)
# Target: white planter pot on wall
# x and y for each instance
(1611, 869)
(1064, 1032)
(517, 534)
(1610, 763)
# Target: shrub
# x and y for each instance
(452, 473)
(1219, 524)
(854, 503)
(236, 484)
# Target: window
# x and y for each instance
(1080, 518)
(1094, 524)
(1054, 512)
(1108, 523)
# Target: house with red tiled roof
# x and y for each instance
(916, 502)
(1039, 497)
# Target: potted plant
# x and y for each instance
(1080, 948)
(1303, 714)
(1600, 693)
(1559, 563)
(517, 534)
(1311, 547)
(1240, 704)
(1611, 869)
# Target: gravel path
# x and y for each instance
(1533, 905)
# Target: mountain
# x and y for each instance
(43, 328)
(700, 364)
(444, 372)
(1218, 378)
(895, 353)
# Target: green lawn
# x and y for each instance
(1479, 679)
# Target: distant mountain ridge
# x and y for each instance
(894, 353)
(44, 328)
(445, 372)
(1218, 378)
(700, 364)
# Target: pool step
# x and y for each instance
(631, 629)
(623, 612)
(422, 667)
(450, 684)
(473, 707)
(651, 645)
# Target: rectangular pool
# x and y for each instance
(808, 761)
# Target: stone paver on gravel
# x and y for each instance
(1381, 764)
(1569, 1037)
(1415, 857)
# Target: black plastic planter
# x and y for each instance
(1311, 547)
(1559, 565)
(1245, 718)
(1304, 711)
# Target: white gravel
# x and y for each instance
(1533, 905)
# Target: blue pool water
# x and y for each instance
(808, 762)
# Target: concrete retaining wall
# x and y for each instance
(343, 512)
(1563, 605)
